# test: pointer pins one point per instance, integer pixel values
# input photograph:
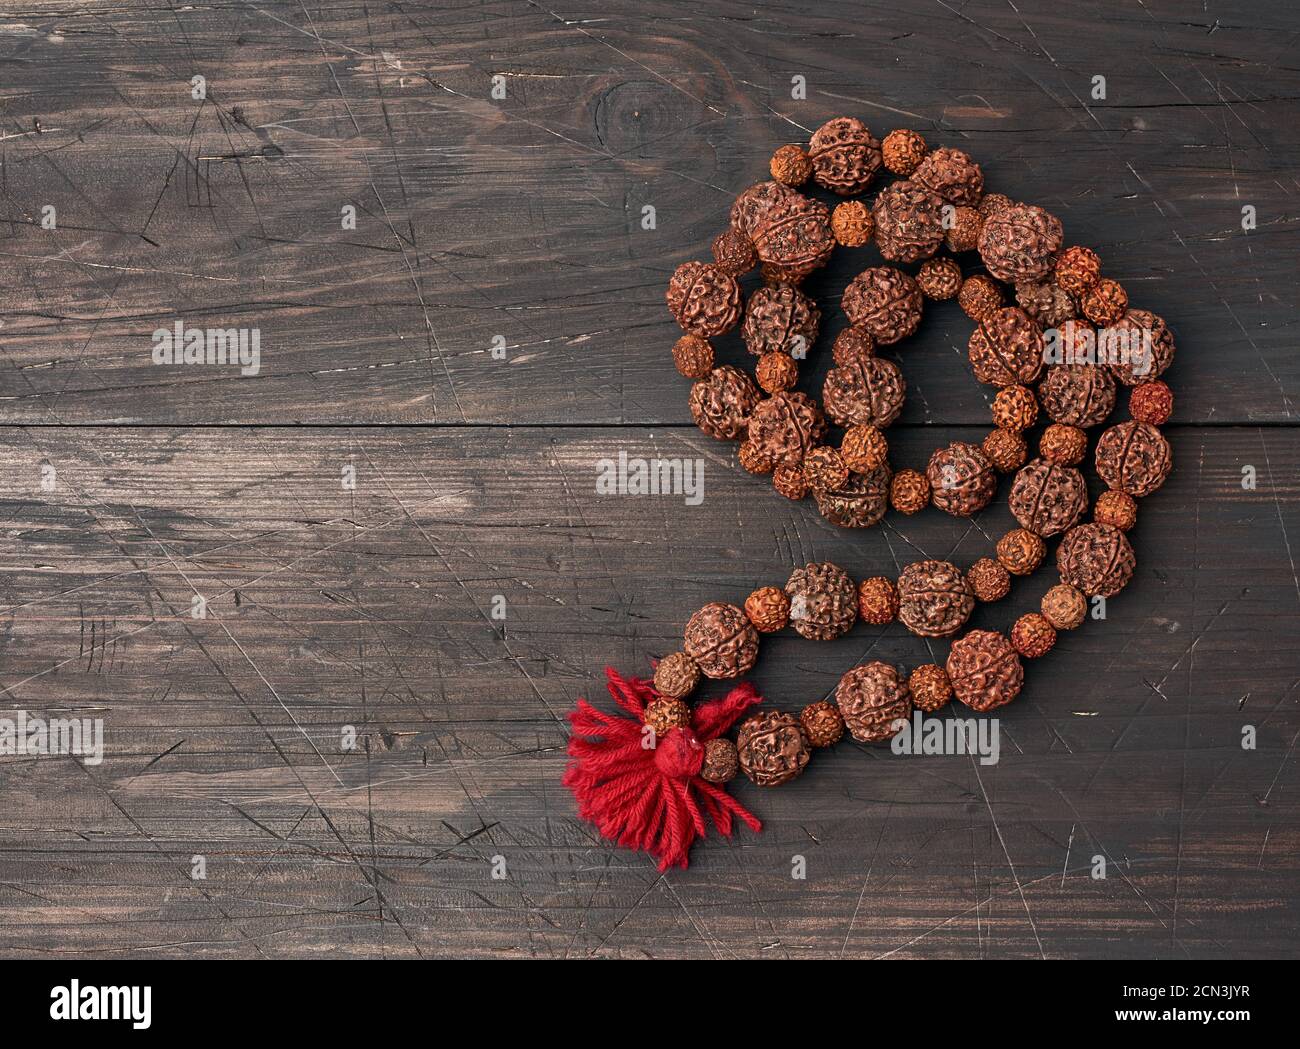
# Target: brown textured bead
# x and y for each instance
(859, 503)
(988, 580)
(1006, 450)
(676, 675)
(789, 481)
(886, 301)
(754, 459)
(909, 492)
(953, 175)
(665, 714)
(721, 640)
(1077, 394)
(1064, 606)
(779, 318)
(791, 166)
(1151, 403)
(961, 479)
(992, 203)
(1015, 408)
(693, 356)
(1064, 445)
(909, 222)
(931, 690)
(733, 253)
(852, 343)
(1020, 551)
(722, 403)
(821, 723)
(768, 609)
(785, 426)
(1019, 243)
(756, 204)
(979, 296)
(902, 150)
(793, 237)
(1133, 457)
(962, 229)
(1033, 636)
(1077, 269)
(863, 449)
(771, 748)
(823, 601)
(939, 279)
(985, 670)
(776, 372)
(852, 224)
(866, 391)
(1048, 304)
(703, 300)
(874, 700)
(1118, 509)
(877, 601)
(1096, 558)
(845, 156)
(1105, 302)
(721, 761)
(1006, 348)
(1139, 347)
(934, 598)
(825, 469)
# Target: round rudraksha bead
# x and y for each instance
(665, 714)
(1118, 509)
(1138, 346)
(845, 156)
(962, 230)
(961, 479)
(779, 318)
(754, 459)
(1015, 408)
(821, 723)
(1006, 348)
(722, 403)
(979, 296)
(733, 253)
(704, 300)
(825, 470)
(1006, 450)
(1133, 457)
(1151, 403)
(791, 166)
(1048, 304)
(1077, 269)
(1033, 636)
(771, 748)
(885, 301)
(1077, 394)
(930, 688)
(874, 701)
(951, 174)
(785, 426)
(902, 150)
(1105, 302)
(877, 601)
(793, 237)
(1096, 558)
(1064, 445)
(988, 580)
(789, 481)
(693, 356)
(909, 492)
(859, 503)
(852, 224)
(676, 675)
(823, 601)
(850, 344)
(1019, 243)
(992, 203)
(909, 222)
(867, 391)
(1047, 498)
(1063, 606)
(939, 279)
(934, 599)
(721, 762)
(985, 670)
(1021, 551)
(753, 207)
(863, 449)
(776, 372)
(768, 609)
(721, 640)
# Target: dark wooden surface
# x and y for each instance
(520, 218)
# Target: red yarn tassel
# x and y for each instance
(652, 799)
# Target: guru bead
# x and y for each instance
(823, 601)
(676, 676)
(693, 356)
(821, 723)
(845, 157)
(874, 701)
(985, 670)
(721, 404)
(704, 300)
(768, 609)
(771, 748)
(722, 641)
(852, 224)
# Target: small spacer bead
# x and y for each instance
(1151, 403)
(931, 690)
(863, 449)
(989, 579)
(824, 469)
(1006, 450)
(1063, 445)
(693, 356)
(776, 371)
(665, 714)
(1015, 408)
(1105, 302)
(1115, 508)
(1021, 552)
(979, 296)
(909, 491)
(852, 224)
(822, 723)
(753, 460)
(768, 608)
(791, 166)
(1033, 636)
(1064, 607)
(676, 675)
(902, 151)
(877, 600)
(939, 279)
(789, 481)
